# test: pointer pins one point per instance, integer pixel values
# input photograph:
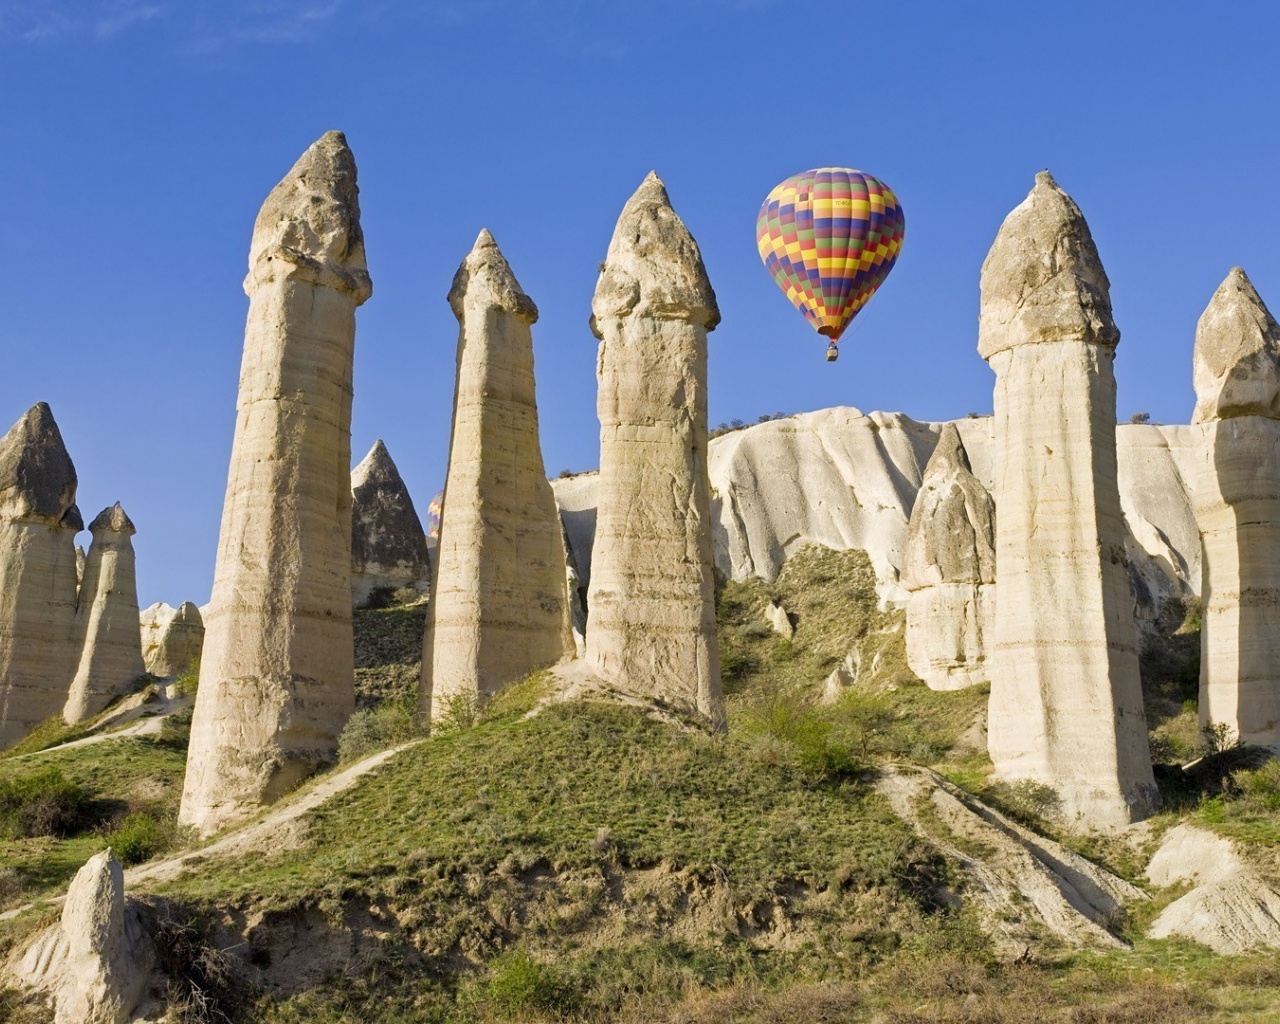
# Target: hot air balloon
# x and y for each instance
(433, 515)
(829, 237)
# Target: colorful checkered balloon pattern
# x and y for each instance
(434, 511)
(829, 237)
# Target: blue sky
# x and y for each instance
(141, 136)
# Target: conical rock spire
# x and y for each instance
(388, 544)
(37, 479)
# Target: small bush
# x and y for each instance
(518, 983)
(203, 986)
(807, 731)
(175, 730)
(139, 836)
(187, 683)
(1261, 786)
(461, 711)
(377, 729)
(44, 803)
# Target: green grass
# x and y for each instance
(388, 654)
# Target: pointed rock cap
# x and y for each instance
(310, 223)
(1236, 363)
(37, 479)
(1042, 281)
(377, 466)
(112, 520)
(72, 519)
(951, 533)
(653, 267)
(385, 528)
(188, 615)
(485, 279)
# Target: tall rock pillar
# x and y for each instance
(1066, 701)
(38, 524)
(950, 571)
(277, 672)
(499, 605)
(107, 626)
(651, 624)
(1237, 505)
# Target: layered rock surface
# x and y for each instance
(107, 624)
(277, 673)
(171, 638)
(1237, 504)
(651, 605)
(95, 963)
(950, 571)
(388, 544)
(38, 524)
(499, 605)
(1066, 702)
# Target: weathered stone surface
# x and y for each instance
(1237, 504)
(96, 962)
(950, 569)
(38, 524)
(171, 638)
(388, 545)
(840, 479)
(499, 605)
(651, 624)
(277, 673)
(777, 617)
(107, 626)
(1066, 703)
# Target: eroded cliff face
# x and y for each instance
(277, 674)
(38, 524)
(651, 624)
(499, 605)
(1066, 700)
(1237, 505)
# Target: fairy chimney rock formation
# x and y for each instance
(651, 625)
(499, 606)
(96, 961)
(171, 638)
(388, 545)
(277, 673)
(1237, 506)
(950, 570)
(107, 626)
(38, 524)
(1066, 704)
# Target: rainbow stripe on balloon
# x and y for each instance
(829, 237)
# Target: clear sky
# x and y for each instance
(139, 138)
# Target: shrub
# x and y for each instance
(518, 983)
(44, 803)
(139, 836)
(367, 732)
(175, 730)
(187, 683)
(203, 986)
(808, 733)
(1261, 786)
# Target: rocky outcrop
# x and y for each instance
(171, 638)
(1237, 503)
(651, 624)
(1230, 908)
(107, 626)
(38, 524)
(950, 571)
(499, 605)
(96, 962)
(388, 545)
(277, 673)
(1066, 703)
(843, 480)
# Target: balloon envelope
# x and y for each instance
(829, 237)
(433, 515)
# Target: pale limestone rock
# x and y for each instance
(1066, 703)
(388, 545)
(499, 606)
(839, 479)
(778, 618)
(651, 625)
(1237, 504)
(171, 638)
(107, 626)
(950, 571)
(94, 964)
(38, 524)
(277, 672)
